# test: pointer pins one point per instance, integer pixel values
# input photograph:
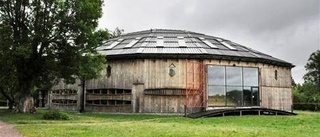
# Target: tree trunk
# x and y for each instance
(11, 103)
(26, 104)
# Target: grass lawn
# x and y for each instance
(121, 125)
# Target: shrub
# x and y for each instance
(55, 115)
(307, 106)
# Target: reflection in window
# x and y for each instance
(234, 76)
(216, 75)
(250, 77)
(234, 96)
(247, 97)
(233, 86)
(216, 95)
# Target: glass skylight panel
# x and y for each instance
(144, 44)
(114, 44)
(103, 47)
(228, 45)
(181, 42)
(198, 45)
(133, 42)
(160, 42)
(209, 44)
(180, 37)
(219, 40)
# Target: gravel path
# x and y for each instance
(7, 130)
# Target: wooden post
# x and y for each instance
(137, 97)
(82, 98)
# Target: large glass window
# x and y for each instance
(217, 95)
(216, 75)
(233, 86)
(250, 77)
(234, 76)
(216, 88)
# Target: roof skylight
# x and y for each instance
(160, 42)
(208, 43)
(114, 44)
(132, 43)
(181, 42)
(228, 45)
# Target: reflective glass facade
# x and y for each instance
(233, 86)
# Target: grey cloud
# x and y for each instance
(286, 29)
(253, 15)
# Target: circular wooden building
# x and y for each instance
(173, 71)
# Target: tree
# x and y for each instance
(309, 91)
(306, 93)
(116, 33)
(48, 40)
(8, 79)
(313, 69)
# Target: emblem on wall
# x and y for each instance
(172, 70)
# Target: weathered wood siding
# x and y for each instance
(276, 93)
(60, 92)
(154, 74)
(163, 104)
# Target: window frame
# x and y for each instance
(226, 86)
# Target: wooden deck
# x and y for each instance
(239, 112)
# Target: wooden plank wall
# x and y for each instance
(61, 85)
(276, 93)
(154, 73)
(163, 104)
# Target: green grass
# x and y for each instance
(123, 125)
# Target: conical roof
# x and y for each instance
(165, 43)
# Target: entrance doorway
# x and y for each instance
(251, 96)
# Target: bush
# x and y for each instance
(55, 115)
(307, 106)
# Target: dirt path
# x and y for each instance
(7, 130)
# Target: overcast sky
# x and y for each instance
(285, 29)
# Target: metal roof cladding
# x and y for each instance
(166, 43)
